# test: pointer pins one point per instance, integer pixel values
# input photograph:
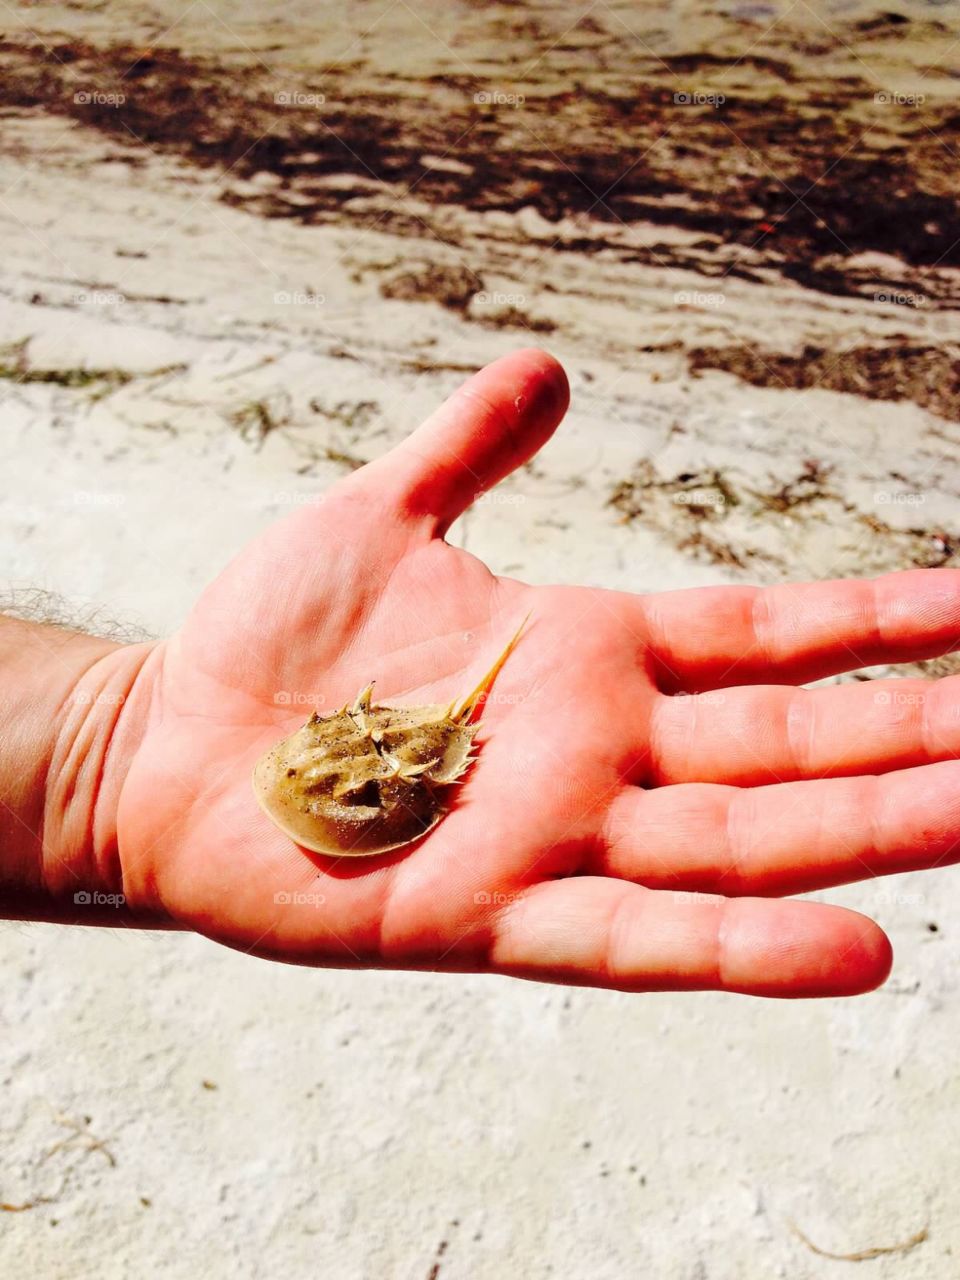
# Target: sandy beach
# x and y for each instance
(246, 251)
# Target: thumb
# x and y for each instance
(491, 425)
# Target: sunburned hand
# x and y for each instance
(611, 832)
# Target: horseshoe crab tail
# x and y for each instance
(465, 710)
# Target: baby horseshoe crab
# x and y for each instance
(370, 778)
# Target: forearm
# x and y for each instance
(66, 727)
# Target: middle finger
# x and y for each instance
(773, 733)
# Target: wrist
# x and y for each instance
(73, 711)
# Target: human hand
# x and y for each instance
(611, 832)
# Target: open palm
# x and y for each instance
(649, 780)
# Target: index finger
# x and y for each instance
(714, 637)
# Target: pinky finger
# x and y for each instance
(592, 931)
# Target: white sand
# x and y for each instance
(374, 1125)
